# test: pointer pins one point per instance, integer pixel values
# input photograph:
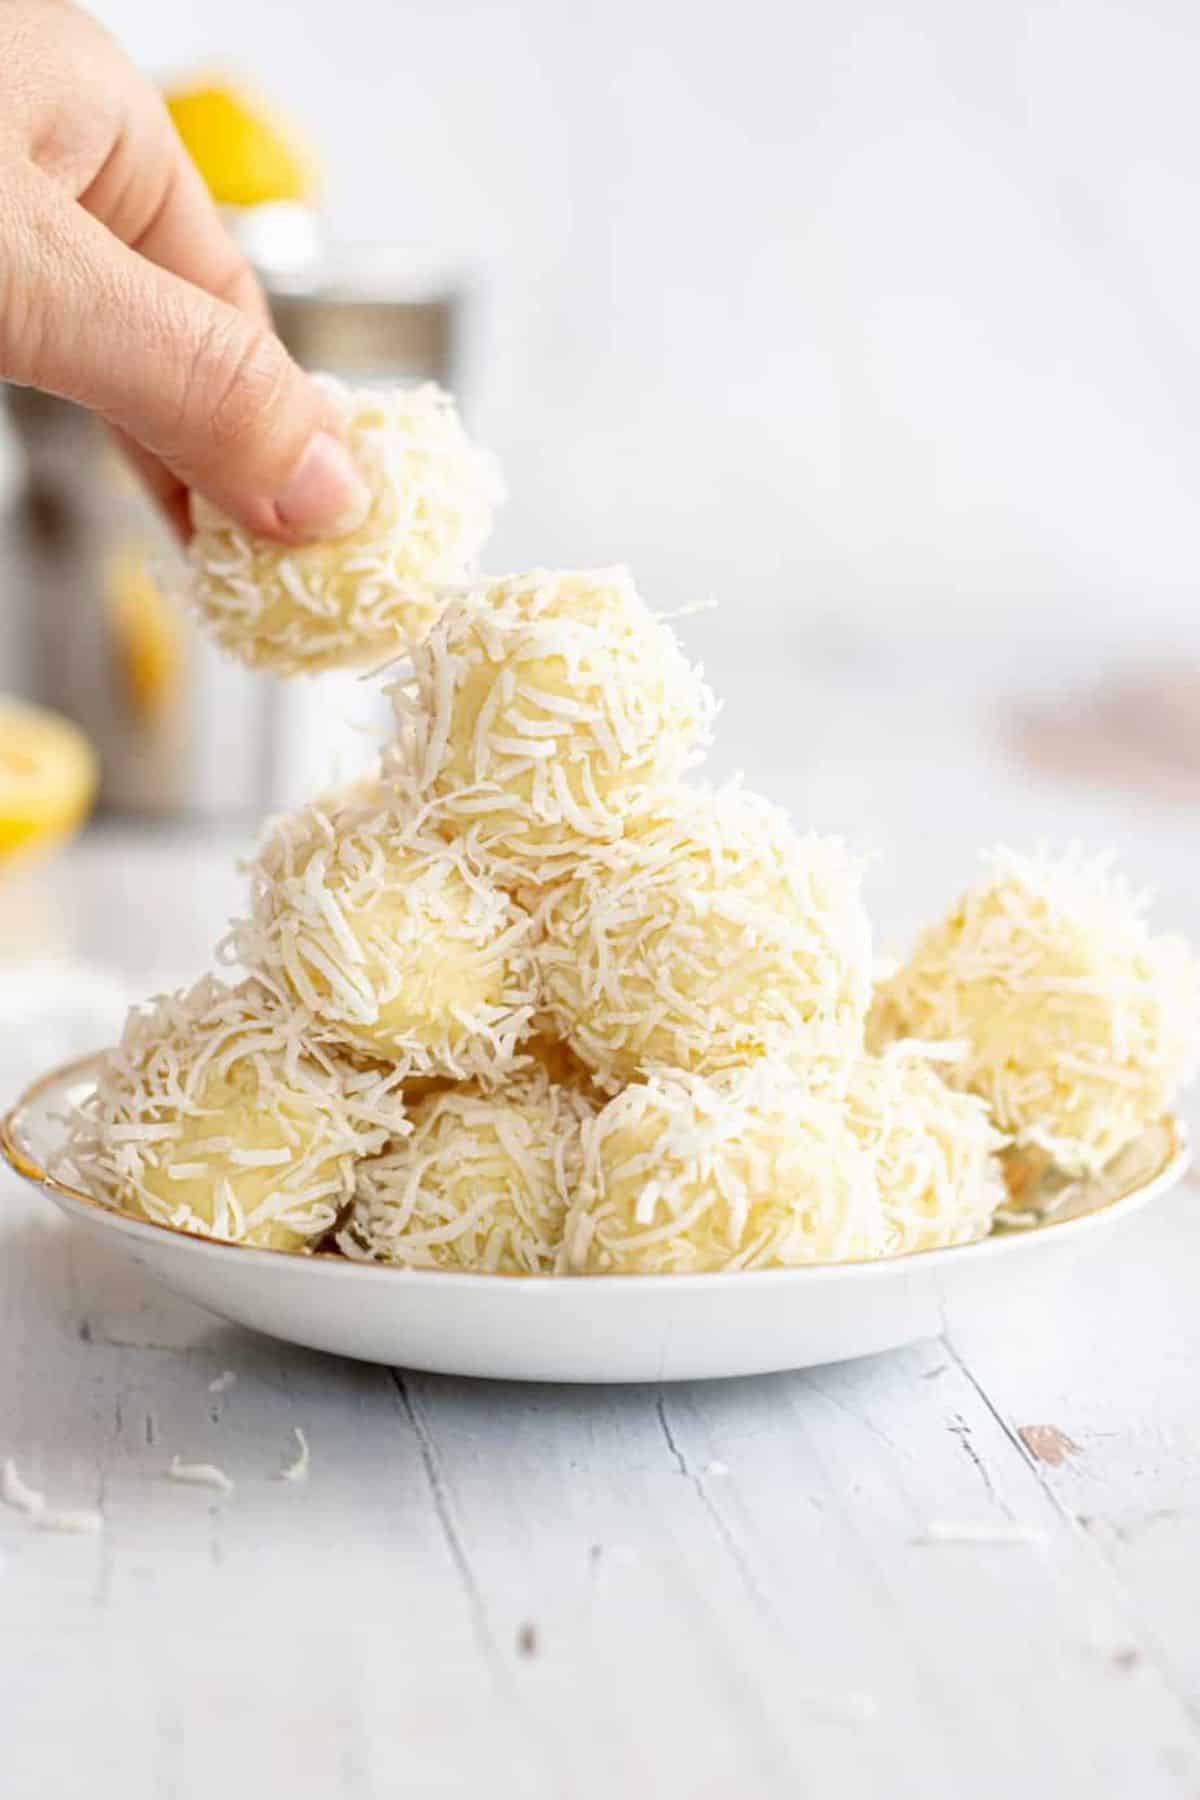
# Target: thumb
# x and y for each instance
(207, 389)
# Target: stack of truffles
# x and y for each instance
(523, 1001)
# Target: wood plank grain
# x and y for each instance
(729, 1585)
(1116, 1368)
(205, 1640)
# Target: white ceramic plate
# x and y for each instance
(597, 1328)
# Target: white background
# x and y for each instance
(858, 318)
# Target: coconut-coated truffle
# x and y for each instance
(1077, 1025)
(216, 1114)
(686, 1174)
(715, 935)
(390, 938)
(543, 712)
(483, 1182)
(367, 593)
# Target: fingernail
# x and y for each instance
(324, 495)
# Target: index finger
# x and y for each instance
(151, 195)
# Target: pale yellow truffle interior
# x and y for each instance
(415, 966)
(224, 1194)
(215, 1114)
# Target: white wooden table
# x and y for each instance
(707, 1590)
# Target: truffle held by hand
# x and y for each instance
(367, 594)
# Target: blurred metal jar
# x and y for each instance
(180, 729)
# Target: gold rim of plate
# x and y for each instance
(1047, 1200)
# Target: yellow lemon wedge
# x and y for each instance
(246, 154)
(147, 634)
(47, 777)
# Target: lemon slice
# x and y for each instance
(147, 634)
(47, 777)
(246, 154)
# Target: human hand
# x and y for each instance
(120, 289)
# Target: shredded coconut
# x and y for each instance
(297, 1470)
(482, 1183)
(541, 713)
(366, 594)
(933, 1151)
(17, 1493)
(1076, 1024)
(748, 1169)
(200, 1474)
(230, 1066)
(949, 1531)
(390, 938)
(713, 935)
(752, 1169)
